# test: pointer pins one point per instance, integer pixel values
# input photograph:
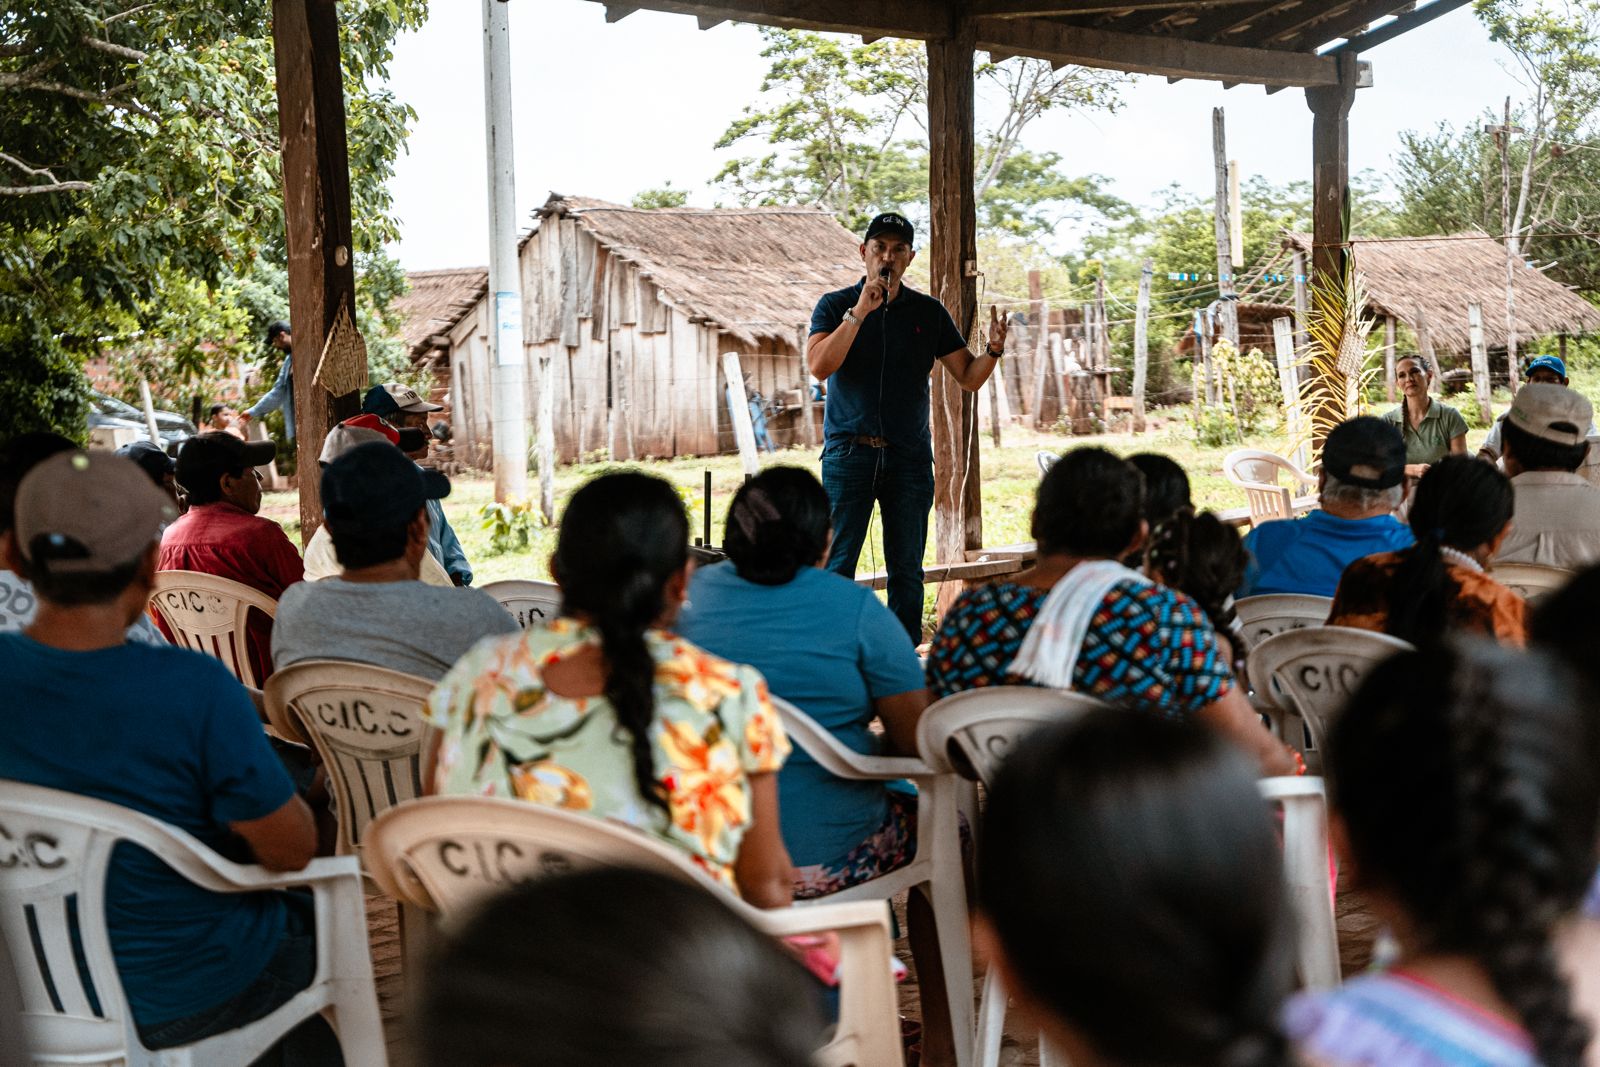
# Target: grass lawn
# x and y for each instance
(1010, 476)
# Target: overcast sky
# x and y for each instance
(606, 110)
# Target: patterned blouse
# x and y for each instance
(1481, 605)
(1398, 1020)
(1148, 646)
(506, 735)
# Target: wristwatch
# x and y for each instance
(850, 317)
(989, 351)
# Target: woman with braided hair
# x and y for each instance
(1466, 810)
(603, 710)
(1130, 890)
(1202, 557)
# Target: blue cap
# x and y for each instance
(1547, 363)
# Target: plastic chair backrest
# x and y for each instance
(1256, 472)
(1270, 614)
(1530, 580)
(1045, 459)
(970, 733)
(208, 614)
(1314, 671)
(530, 602)
(366, 723)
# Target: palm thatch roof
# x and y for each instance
(436, 302)
(754, 273)
(1440, 276)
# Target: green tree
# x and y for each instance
(663, 195)
(140, 187)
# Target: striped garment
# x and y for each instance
(1398, 1020)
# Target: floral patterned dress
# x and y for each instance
(505, 735)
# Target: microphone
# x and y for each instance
(883, 276)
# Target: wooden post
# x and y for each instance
(1480, 360)
(1041, 361)
(1511, 250)
(1288, 380)
(316, 210)
(1202, 334)
(1302, 305)
(1388, 356)
(1141, 344)
(1227, 294)
(958, 501)
(744, 431)
(1425, 344)
(995, 384)
(1330, 188)
(809, 423)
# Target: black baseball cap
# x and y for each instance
(376, 487)
(205, 458)
(1369, 443)
(151, 459)
(889, 222)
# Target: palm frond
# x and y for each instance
(1337, 359)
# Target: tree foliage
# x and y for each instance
(141, 205)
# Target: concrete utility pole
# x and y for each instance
(507, 356)
(1502, 137)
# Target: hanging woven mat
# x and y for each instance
(342, 367)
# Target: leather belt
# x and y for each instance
(871, 442)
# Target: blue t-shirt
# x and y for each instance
(1307, 555)
(170, 733)
(871, 397)
(830, 648)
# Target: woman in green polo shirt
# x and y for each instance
(1431, 430)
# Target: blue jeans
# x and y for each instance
(311, 1044)
(858, 476)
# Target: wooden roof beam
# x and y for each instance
(1302, 28)
(1012, 9)
(618, 12)
(1173, 57)
(916, 19)
(1402, 24)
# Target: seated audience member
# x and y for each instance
(378, 611)
(1202, 557)
(1545, 370)
(1166, 492)
(18, 604)
(1459, 516)
(1558, 511)
(164, 731)
(604, 710)
(402, 407)
(222, 534)
(1102, 629)
(832, 649)
(1466, 809)
(1130, 889)
(1360, 486)
(616, 966)
(159, 466)
(320, 559)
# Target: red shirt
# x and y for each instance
(227, 541)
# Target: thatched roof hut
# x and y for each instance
(753, 273)
(1440, 276)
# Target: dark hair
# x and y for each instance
(355, 549)
(778, 523)
(274, 329)
(77, 588)
(622, 536)
(1427, 370)
(1090, 503)
(217, 409)
(1564, 622)
(609, 967)
(1202, 557)
(1536, 454)
(1132, 873)
(1465, 776)
(20, 455)
(209, 491)
(1461, 502)
(1166, 486)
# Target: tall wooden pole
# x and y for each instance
(1511, 249)
(958, 518)
(316, 211)
(1141, 344)
(1302, 305)
(1227, 292)
(1388, 357)
(1330, 192)
(1480, 360)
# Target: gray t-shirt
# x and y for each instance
(405, 626)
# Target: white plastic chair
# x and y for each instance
(208, 614)
(1311, 673)
(970, 734)
(1305, 864)
(52, 911)
(531, 603)
(1530, 581)
(445, 853)
(1256, 472)
(1045, 459)
(936, 869)
(1271, 614)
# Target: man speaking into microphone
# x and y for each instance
(875, 343)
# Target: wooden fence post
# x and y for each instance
(808, 421)
(744, 432)
(1480, 360)
(1388, 356)
(1041, 361)
(1141, 345)
(1227, 298)
(1289, 381)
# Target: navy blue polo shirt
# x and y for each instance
(870, 396)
